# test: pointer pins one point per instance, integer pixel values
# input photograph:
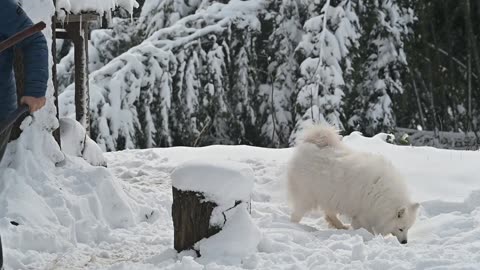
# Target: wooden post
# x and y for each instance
(56, 133)
(78, 32)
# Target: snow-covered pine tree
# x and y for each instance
(214, 115)
(281, 74)
(243, 94)
(158, 14)
(104, 45)
(131, 99)
(186, 94)
(164, 68)
(386, 26)
(326, 70)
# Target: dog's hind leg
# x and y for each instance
(297, 215)
(355, 223)
(333, 221)
(300, 208)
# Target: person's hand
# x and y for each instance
(33, 103)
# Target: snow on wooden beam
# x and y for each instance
(78, 18)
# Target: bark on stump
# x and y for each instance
(191, 215)
(191, 218)
(205, 195)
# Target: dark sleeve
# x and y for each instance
(35, 50)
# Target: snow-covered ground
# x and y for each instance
(75, 216)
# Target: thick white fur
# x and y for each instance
(326, 174)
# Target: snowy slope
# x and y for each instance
(80, 217)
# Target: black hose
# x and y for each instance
(22, 111)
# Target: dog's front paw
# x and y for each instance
(345, 227)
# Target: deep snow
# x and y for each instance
(83, 217)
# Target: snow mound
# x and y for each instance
(220, 181)
(389, 138)
(75, 142)
(238, 239)
(50, 209)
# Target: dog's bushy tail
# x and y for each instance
(322, 136)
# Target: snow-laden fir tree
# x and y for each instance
(279, 88)
(386, 26)
(187, 87)
(131, 98)
(158, 14)
(104, 45)
(243, 94)
(215, 112)
(246, 72)
(327, 66)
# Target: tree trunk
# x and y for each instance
(471, 48)
(419, 103)
(191, 215)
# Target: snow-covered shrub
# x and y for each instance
(76, 142)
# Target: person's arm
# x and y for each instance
(35, 53)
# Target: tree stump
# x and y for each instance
(202, 194)
(191, 218)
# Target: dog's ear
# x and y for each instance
(414, 207)
(401, 212)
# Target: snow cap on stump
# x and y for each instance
(219, 181)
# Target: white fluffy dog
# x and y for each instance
(324, 173)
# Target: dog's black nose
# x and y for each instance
(404, 242)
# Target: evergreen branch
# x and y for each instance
(320, 57)
(201, 132)
(456, 60)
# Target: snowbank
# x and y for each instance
(45, 208)
(52, 206)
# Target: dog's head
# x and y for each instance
(402, 220)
